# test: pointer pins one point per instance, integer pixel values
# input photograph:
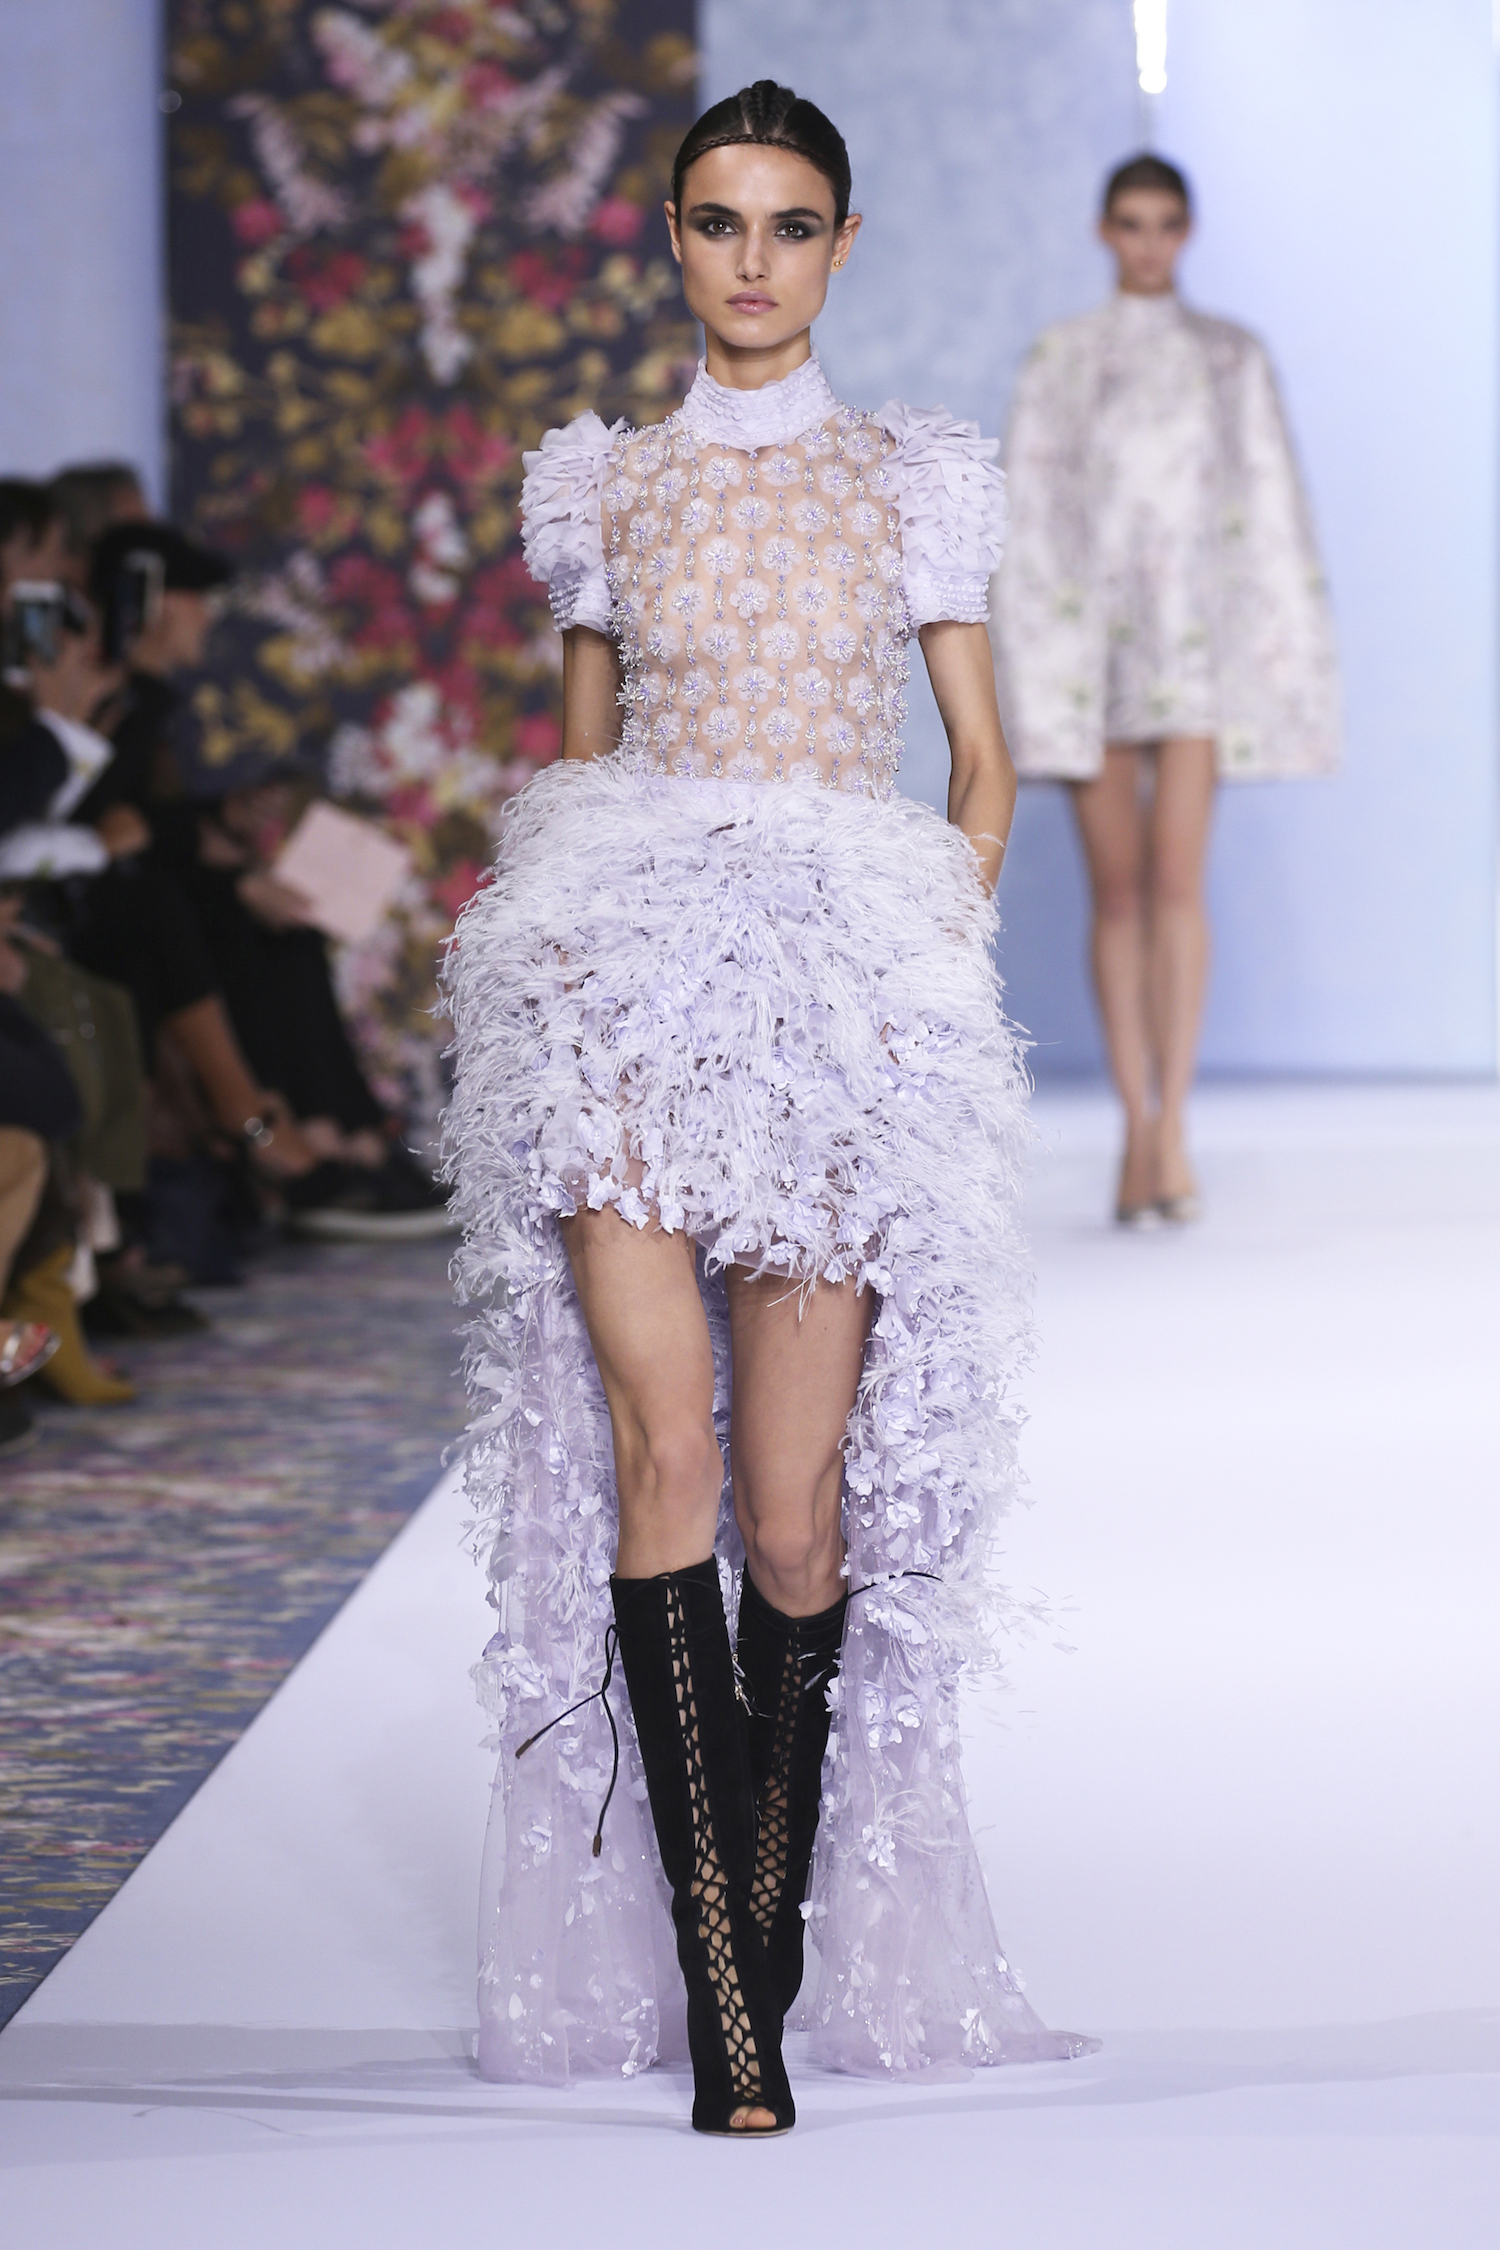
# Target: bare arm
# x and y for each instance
(591, 683)
(982, 792)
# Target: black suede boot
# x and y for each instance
(674, 1645)
(786, 1664)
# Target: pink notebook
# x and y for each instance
(347, 869)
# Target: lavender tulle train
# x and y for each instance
(767, 1013)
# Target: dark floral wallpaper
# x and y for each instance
(405, 240)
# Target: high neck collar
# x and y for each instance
(1135, 304)
(773, 415)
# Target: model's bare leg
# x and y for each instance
(1177, 973)
(1112, 828)
(796, 1369)
(639, 1293)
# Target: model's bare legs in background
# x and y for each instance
(1144, 822)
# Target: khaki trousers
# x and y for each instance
(23, 1175)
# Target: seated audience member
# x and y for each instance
(33, 546)
(39, 1111)
(89, 497)
(269, 963)
(71, 820)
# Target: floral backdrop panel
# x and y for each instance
(405, 240)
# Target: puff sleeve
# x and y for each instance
(561, 533)
(950, 492)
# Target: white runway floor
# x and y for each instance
(1249, 1830)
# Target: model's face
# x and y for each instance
(756, 241)
(1146, 229)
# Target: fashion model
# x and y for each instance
(1160, 624)
(735, 1135)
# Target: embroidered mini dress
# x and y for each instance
(725, 980)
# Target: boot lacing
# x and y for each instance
(599, 1695)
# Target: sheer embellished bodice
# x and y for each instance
(761, 616)
(761, 559)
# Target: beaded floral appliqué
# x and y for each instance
(758, 604)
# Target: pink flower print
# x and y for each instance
(617, 221)
(751, 513)
(722, 724)
(810, 516)
(780, 643)
(865, 520)
(780, 728)
(721, 556)
(457, 887)
(696, 518)
(836, 481)
(325, 278)
(750, 598)
(810, 601)
(839, 737)
(720, 472)
(814, 687)
(839, 644)
(782, 468)
(687, 602)
(663, 641)
(537, 737)
(753, 685)
(257, 222)
(669, 489)
(547, 278)
(779, 553)
(720, 642)
(697, 687)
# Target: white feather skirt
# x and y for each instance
(768, 1014)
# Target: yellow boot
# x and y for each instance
(43, 1294)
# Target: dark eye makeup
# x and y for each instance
(717, 222)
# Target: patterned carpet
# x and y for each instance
(163, 1565)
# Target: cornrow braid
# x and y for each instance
(766, 115)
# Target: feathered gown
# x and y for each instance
(726, 978)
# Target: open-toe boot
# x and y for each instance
(787, 1665)
(674, 1645)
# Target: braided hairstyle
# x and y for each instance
(766, 115)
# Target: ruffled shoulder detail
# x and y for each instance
(561, 532)
(950, 491)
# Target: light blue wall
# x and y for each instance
(81, 254)
(1344, 152)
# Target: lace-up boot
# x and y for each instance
(787, 1664)
(674, 1645)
